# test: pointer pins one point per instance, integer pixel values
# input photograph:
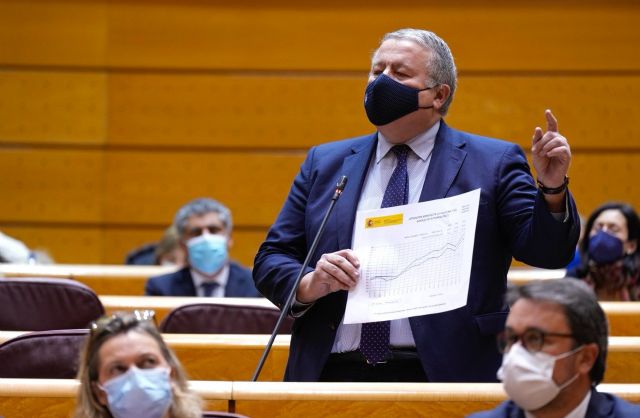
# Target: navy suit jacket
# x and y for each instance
(601, 405)
(180, 283)
(513, 220)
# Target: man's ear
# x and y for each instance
(100, 394)
(443, 91)
(587, 358)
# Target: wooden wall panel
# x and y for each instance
(115, 113)
(288, 111)
(145, 187)
(180, 110)
(63, 243)
(237, 111)
(110, 245)
(53, 107)
(53, 32)
(327, 35)
(339, 36)
(118, 242)
(600, 177)
(593, 111)
(51, 185)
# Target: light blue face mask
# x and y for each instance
(139, 393)
(207, 253)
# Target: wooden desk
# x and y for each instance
(54, 398)
(47, 398)
(162, 305)
(130, 280)
(229, 357)
(624, 317)
(434, 400)
(220, 356)
(523, 275)
(103, 279)
(234, 357)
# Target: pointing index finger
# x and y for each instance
(552, 122)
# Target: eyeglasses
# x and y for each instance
(111, 324)
(532, 339)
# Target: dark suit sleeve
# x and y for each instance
(240, 282)
(534, 236)
(151, 288)
(281, 254)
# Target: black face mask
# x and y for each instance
(386, 100)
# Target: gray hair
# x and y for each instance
(586, 318)
(441, 65)
(199, 207)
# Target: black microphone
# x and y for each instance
(339, 188)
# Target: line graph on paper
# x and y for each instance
(422, 263)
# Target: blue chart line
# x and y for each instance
(433, 263)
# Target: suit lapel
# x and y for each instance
(185, 286)
(600, 406)
(232, 286)
(355, 168)
(446, 160)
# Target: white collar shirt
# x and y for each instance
(378, 175)
(580, 411)
(220, 278)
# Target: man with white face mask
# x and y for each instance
(204, 229)
(555, 350)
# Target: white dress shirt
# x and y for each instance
(378, 175)
(221, 278)
(579, 412)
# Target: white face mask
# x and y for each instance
(528, 377)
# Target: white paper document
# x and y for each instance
(414, 259)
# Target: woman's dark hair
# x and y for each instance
(633, 226)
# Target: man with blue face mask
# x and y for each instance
(555, 352)
(204, 229)
(414, 156)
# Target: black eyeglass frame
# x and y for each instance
(506, 339)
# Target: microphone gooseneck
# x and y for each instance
(287, 306)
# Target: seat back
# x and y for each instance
(214, 318)
(219, 414)
(38, 304)
(42, 354)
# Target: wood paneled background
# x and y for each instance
(115, 113)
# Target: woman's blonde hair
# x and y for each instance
(185, 403)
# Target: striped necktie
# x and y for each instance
(374, 337)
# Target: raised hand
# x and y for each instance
(551, 154)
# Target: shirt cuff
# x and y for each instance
(562, 216)
(298, 308)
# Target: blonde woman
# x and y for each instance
(126, 370)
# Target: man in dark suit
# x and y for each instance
(204, 227)
(411, 85)
(555, 345)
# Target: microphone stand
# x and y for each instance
(292, 294)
